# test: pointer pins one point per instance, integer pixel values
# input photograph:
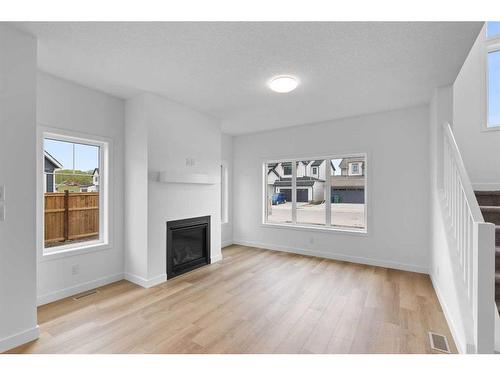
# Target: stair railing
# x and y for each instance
(474, 242)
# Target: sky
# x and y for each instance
(493, 29)
(86, 156)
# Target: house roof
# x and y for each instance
(343, 163)
(317, 163)
(52, 159)
(95, 170)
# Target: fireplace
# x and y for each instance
(188, 245)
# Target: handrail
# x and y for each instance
(464, 177)
(474, 244)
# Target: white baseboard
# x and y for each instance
(459, 341)
(13, 341)
(145, 283)
(337, 256)
(486, 186)
(75, 289)
(226, 243)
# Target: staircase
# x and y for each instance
(489, 203)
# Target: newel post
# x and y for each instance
(484, 287)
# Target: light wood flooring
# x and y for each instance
(254, 301)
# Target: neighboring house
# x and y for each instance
(88, 188)
(94, 187)
(310, 180)
(95, 179)
(50, 165)
(349, 187)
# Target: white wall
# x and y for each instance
(441, 270)
(18, 323)
(398, 187)
(68, 106)
(227, 158)
(173, 133)
(480, 149)
(176, 133)
(136, 190)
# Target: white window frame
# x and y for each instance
(328, 227)
(105, 192)
(492, 45)
(285, 174)
(351, 171)
(224, 188)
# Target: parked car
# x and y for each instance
(278, 198)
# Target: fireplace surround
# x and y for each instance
(188, 245)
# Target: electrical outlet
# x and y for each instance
(2, 193)
(75, 269)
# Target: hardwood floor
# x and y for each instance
(254, 301)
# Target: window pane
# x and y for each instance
(492, 29)
(311, 192)
(71, 184)
(494, 89)
(279, 192)
(348, 193)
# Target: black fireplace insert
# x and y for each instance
(188, 245)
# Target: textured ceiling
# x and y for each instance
(221, 68)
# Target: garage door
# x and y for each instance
(288, 194)
(348, 196)
(302, 195)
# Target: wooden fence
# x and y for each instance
(71, 216)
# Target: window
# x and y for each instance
(310, 195)
(224, 191)
(335, 198)
(493, 74)
(278, 194)
(348, 190)
(74, 193)
(354, 169)
(492, 29)
(287, 169)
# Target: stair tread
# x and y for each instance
(483, 193)
(490, 208)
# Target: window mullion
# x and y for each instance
(328, 195)
(294, 192)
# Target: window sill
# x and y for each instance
(348, 231)
(65, 251)
(491, 128)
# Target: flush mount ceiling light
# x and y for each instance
(283, 84)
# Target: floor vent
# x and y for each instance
(85, 294)
(439, 342)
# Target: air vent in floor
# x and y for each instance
(439, 342)
(85, 294)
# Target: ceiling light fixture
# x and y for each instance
(283, 84)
